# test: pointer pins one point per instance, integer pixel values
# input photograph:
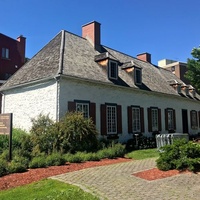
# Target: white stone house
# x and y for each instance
(122, 94)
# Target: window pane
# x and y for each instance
(84, 108)
(138, 76)
(111, 119)
(194, 119)
(154, 119)
(113, 70)
(170, 120)
(5, 53)
(136, 119)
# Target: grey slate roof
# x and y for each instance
(74, 56)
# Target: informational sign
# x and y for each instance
(5, 124)
(6, 129)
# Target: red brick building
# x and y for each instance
(12, 55)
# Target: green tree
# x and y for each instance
(193, 66)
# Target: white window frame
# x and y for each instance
(113, 66)
(136, 123)
(170, 116)
(137, 70)
(5, 53)
(84, 108)
(194, 122)
(154, 117)
(111, 119)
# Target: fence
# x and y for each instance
(164, 139)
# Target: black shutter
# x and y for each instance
(93, 112)
(129, 112)
(159, 120)
(191, 119)
(174, 118)
(119, 119)
(103, 120)
(71, 106)
(166, 119)
(142, 119)
(149, 120)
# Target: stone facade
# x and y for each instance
(29, 101)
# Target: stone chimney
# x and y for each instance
(92, 33)
(145, 57)
(22, 47)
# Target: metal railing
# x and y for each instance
(164, 139)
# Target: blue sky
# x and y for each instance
(164, 28)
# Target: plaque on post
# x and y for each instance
(6, 129)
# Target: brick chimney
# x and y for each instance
(22, 47)
(92, 33)
(145, 57)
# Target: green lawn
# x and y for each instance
(46, 189)
(143, 154)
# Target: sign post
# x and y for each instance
(6, 129)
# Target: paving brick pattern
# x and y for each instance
(116, 182)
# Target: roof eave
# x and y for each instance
(29, 83)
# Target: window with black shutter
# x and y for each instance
(170, 119)
(193, 119)
(111, 119)
(135, 119)
(86, 107)
(154, 119)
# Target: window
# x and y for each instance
(5, 53)
(138, 76)
(111, 119)
(193, 118)
(88, 108)
(84, 108)
(111, 113)
(113, 70)
(136, 119)
(170, 119)
(154, 119)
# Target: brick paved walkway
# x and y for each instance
(117, 182)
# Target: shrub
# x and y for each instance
(20, 159)
(41, 137)
(4, 142)
(180, 155)
(20, 142)
(5, 155)
(114, 151)
(17, 165)
(18, 138)
(3, 167)
(91, 157)
(55, 159)
(77, 133)
(74, 158)
(38, 162)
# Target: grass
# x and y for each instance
(143, 154)
(46, 189)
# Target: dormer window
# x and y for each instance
(138, 76)
(113, 70)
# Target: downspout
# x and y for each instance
(57, 77)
